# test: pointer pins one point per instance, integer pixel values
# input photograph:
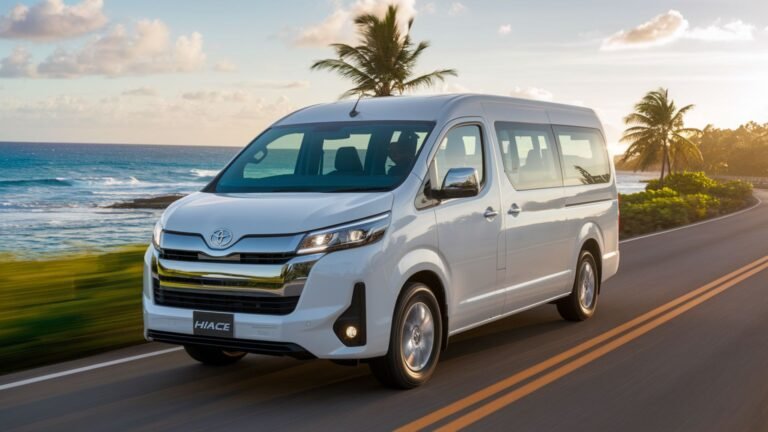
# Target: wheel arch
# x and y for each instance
(426, 265)
(436, 285)
(591, 239)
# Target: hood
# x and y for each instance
(271, 213)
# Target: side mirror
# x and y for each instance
(459, 183)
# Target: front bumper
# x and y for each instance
(326, 294)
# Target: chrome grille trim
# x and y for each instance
(265, 245)
(285, 280)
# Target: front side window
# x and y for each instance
(529, 155)
(462, 147)
(326, 157)
(585, 160)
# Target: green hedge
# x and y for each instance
(63, 308)
(685, 198)
(686, 183)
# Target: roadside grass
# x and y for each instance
(61, 308)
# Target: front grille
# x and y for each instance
(243, 258)
(224, 302)
(178, 255)
(247, 345)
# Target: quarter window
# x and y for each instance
(529, 155)
(585, 160)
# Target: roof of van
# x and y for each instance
(437, 107)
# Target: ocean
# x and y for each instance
(53, 197)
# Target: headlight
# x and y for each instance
(157, 233)
(346, 236)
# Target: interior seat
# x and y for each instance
(347, 162)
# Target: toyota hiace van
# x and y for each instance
(374, 231)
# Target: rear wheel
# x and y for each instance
(213, 356)
(582, 302)
(415, 340)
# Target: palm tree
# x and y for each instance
(657, 132)
(383, 63)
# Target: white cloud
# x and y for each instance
(148, 50)
(660, 30)
(216, 96)
(454, 87)
(17, 65)
(276, 84)
(428, 8)
(52, 20)
(224, 66)
(449, 87)
(338, 27)
(456, 9)
(733, 31)
(532, 93)
(505, 29)
(262, 108)
(671, 26)
(141, 91)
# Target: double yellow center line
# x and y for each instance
(577, 356)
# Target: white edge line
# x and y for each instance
(86, 368)
(759, 201)
(170, 350)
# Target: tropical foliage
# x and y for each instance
(383, 63)
(657, 133)
(741, 152)
(686, 197)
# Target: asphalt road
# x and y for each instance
(696, 359)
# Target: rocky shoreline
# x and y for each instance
(158, 202)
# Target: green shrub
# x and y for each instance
(733, 190)
(686, 197)
(654, 214)
(701, 206)
(685, 183)
(647, 195)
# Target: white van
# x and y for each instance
(375, 232)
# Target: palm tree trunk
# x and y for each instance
(669, 162)
(672, 165)
(663, 165)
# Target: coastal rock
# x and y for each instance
(158, 202)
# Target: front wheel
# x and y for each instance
(213, 356)
(582, 302)
(415, 341)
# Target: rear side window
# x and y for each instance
(529, 155)
(585, 159)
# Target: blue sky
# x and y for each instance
(216, 73)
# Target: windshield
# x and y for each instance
(326, 157)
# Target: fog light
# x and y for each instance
(350, 326)
(351, 332)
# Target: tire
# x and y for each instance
(213, 356)
(417, 326)
(582, 302)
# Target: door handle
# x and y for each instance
(514, 209)
(490, 213)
